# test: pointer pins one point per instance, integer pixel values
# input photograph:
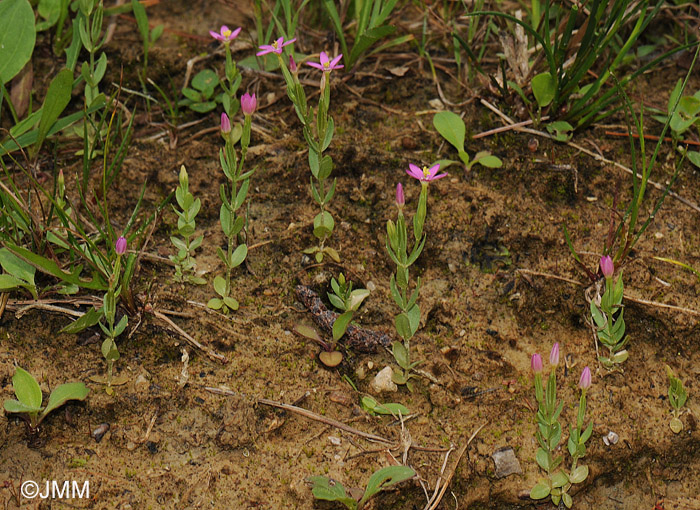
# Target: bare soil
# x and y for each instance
(499, 285)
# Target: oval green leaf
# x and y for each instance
(17, 37)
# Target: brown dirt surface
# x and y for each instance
(492, 295)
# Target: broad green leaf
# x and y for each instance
(308, 332)
(414, 318)
(26, 388)
(215, 304)
(13, 406)
(400, 354)
(205, 81)
(64, 393)
(330, 490)
(540, 491)
(566, 498)
(386, 477)
(57, 98)
(451, 127)
(403, 326)
(341, 324)
(89, 319)
(232, 303)
(490, 161)
(220, 285)
(17, 37)
(544, 88)
(17, 267)
(542, 459)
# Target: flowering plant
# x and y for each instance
(233, 76)
(185, 263)
(232, 198)
(407, 321)
(558, 481)
(607, 313)
(318, 132)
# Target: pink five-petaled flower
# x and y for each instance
(425, 175)
(248, 103)
(400, 200)
(536, 363)
(326, 65)
(275, 47)
(120, 245)
(225, 123)
(554, 355)
(607, 266)
(225, 35)
(585, 382)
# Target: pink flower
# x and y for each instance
(325, 65)
(425, 175)
(607, 266)
(248, 103)
(400, 200)
(225, 123)
(536, 363)
(554, 355)
(275, 47)
(120, 245)
(585, 382)
(225, 35)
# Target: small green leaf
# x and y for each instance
(239, 255)
(540, 491)
(384, 478)
(544, 88)
(63, 393)
(542, 459)
(26, 388)
(330, 490)
(559, 479)
(400, 354)
(566, 498)
(341, 324)
(13, 406)
(451, 127)
(17, 37)
(215, 304)
(220, 285)
(403, 326)
(579, 474)
(232, 303)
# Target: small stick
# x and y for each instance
(652, 138)
(213, 355)
(436, 502)
(506, 128)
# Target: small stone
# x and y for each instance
(371, 286)
(370, 365)
(382, 381)
(335, 441)
(142, 383)
(611, 439)
(506, 462)
(100, 432)
(360, 372)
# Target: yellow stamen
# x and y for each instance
(426, 172)
(226, 33)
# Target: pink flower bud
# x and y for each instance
(400, 200)
(607, 266)
(585, 382)
(536, 363)
(554, 355)
(225, 123)
(292, 64)
(120, 245)
(248, 103)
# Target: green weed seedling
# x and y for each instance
(347, 300)
(677, 395)
(148, 36)
(29, 398)
(684, 113)
(330, 490)
(200, 97)
(373, 407)
(608, 316)
(452, 128)
(17, 273)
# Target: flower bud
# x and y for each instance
(120, 245)
(585, 382)
(536, 363)
(400, 200)
(607, 266)
(292, 64)
(225, 124)
(554, 355)
(248, 103)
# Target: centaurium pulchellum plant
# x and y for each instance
(558, 481)
(233, 76)
(608, 317)
(185, 263)
(233, 194)
(318, 133)
(111, 298)
(397, 242)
